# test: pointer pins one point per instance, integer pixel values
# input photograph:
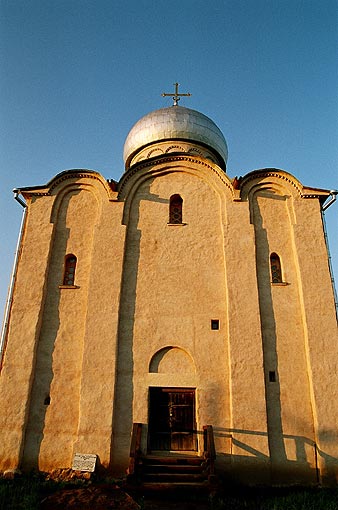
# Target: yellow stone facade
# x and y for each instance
(80, 360)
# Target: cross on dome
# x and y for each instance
(176, 96)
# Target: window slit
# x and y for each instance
(275, 266)
(175, 209)
(69, 272)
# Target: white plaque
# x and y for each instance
(84, 462)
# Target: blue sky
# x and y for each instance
(77, 74)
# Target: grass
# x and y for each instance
(278, 499)
(26, 493)
(20, 494)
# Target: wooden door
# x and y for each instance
(172, 419)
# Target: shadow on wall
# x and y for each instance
(269, 338)
(124, 389)
(303, 467)
(43, 375)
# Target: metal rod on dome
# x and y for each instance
(176, 96)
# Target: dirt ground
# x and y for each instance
(108, 497)
(105, 497)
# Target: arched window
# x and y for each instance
(69, 273)
(175, 209)
(276, 270)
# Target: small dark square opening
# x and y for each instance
(272, 376)
(214, 324)
(47, 401)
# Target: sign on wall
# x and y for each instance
(84, 462)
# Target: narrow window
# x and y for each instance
(175, 209)
(272, 376)
(69, 274)
(276, 271)
(214, 324)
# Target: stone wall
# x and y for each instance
(80, 360)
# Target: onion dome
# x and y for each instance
(194, 132)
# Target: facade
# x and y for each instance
(176, 298)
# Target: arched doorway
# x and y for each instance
(172, 416)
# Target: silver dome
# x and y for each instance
(174, 123)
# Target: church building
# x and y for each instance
(177, 298)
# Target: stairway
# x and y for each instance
(160, 471)
(172, 472)
(178, 470)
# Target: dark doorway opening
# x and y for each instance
(172, 423)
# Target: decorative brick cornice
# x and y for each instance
(273, 172)
(159, 160)
(79, 175)
(64, 176)
(303, 191)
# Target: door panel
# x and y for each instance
(181, 407)
(159, 427)
(172, 419)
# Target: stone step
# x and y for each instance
(171, 468)
(178, 460)
(173, 477)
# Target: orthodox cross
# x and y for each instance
(176, 96)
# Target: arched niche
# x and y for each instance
(171, 360)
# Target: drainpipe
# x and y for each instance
(13, 277)
(333, 194)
